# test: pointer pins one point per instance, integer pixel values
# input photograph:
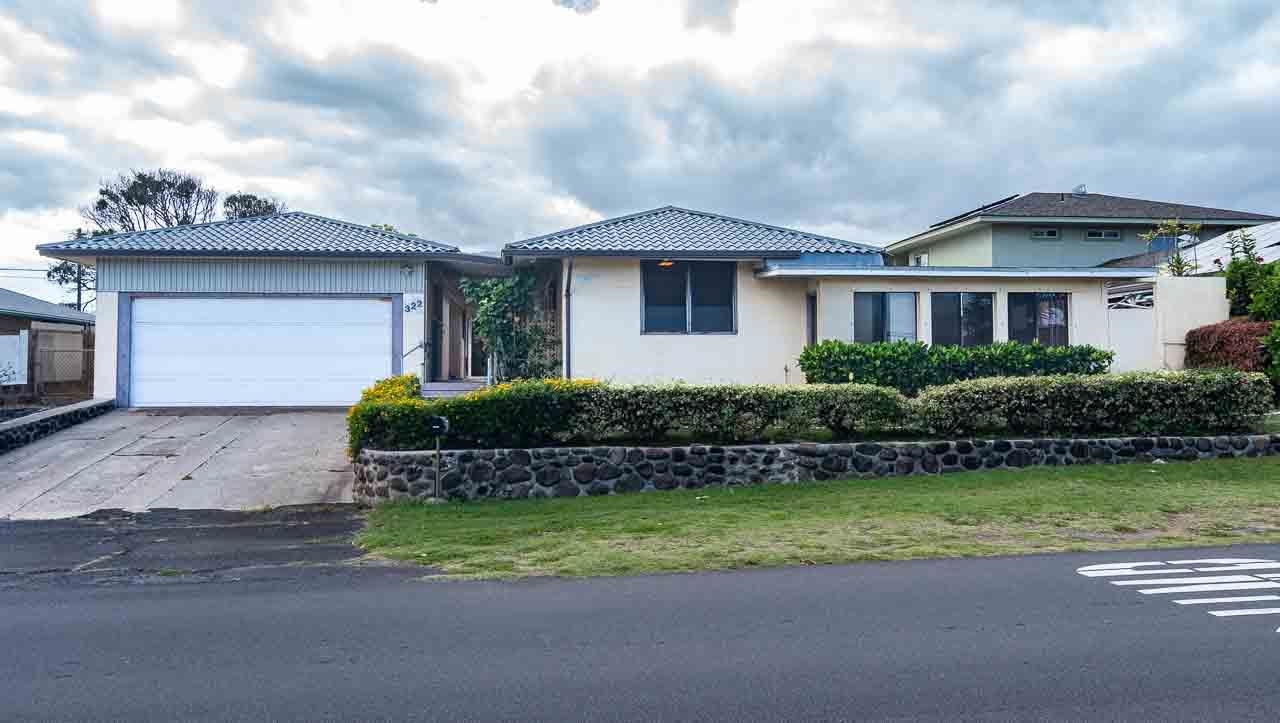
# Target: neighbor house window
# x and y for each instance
(920, 260)
(1039, 317)
(1044, 233)
(1102, 234)
(684, 297)
(884, 316)
(963, 318)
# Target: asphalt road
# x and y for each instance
(283, 624)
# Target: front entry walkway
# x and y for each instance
(138, 460)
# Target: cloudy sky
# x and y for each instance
(479, 122)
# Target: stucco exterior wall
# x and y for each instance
(605, 340)
(1012, 245)
(1182, 304)
(104, 350)
(971, 248)
(1086, 315)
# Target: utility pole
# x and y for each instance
(79, 286)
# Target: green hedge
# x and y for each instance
(554, 412)
(912, 366)
(540, 413)
(1135, 403)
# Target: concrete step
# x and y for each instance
(439, 390)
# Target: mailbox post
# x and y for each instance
(438, 427)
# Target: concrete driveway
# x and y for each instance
(138, 460)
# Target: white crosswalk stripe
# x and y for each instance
(1260, 585)
(1221, 600)
(1247, 611)
(1187, 580)
(1196, 577)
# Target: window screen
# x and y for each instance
(665, 297)
(712, 296)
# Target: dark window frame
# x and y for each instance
(1038, 297)
(933, 317)
(688, 298)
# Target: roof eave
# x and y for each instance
(51, 318)
(1086, 272)
(666, 254)
(933, 234)
(71, 254)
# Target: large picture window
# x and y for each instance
(963, 318)
(884, 316)
(688, 297)
(1039, 317)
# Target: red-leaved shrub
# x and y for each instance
(1236, 344)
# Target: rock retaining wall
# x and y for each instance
(20, 431)
(571, 472)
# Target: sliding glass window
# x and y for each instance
(682, 297)
(1039, 317)
(963, 318)
(884, 316)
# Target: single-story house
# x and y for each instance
(1074, 228)
(286, 310)
(301, 310)
(674, 294)
(45, 348)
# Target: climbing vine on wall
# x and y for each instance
(506, 322)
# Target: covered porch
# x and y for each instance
(447, 356)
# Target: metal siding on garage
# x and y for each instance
(257, 351)
(260, 276)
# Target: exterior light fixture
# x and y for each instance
(666, 263)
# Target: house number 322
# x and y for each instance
(413, 305)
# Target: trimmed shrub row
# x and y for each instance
(911, 366)
(551, 412)
(1136, 403)
(539, 413)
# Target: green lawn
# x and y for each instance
(982, 513)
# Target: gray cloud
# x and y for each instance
(380, 90)
(714, 14)
(578, 6)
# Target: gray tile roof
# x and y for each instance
(292, 234)
(29, 307)
(678, 231)
(1098, 205)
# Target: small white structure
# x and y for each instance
(1148, 321)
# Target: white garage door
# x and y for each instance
(269, 351)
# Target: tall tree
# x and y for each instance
(73, 275)
(248, 205)
(157, 198)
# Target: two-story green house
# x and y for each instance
(1057, 230)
